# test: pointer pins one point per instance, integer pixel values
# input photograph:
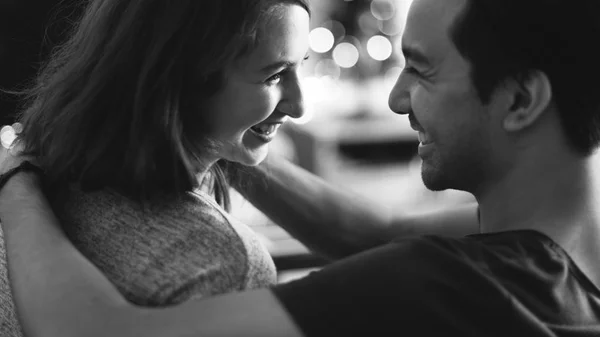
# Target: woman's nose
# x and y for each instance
(292, 103)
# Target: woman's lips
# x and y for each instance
(265, 129)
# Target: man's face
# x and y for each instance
(435, 89)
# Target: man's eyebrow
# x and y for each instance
(415, 55)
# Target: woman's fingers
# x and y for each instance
(18, 127)
(10, 151)
(9, 133)
(7, 136)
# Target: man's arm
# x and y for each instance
(58, 292)
(335, 222)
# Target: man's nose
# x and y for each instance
(399, 100)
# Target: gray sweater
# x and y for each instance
(157, 254)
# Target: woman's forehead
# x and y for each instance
(285, 40)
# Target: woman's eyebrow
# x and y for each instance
(277, 65)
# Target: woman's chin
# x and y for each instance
(253, 158)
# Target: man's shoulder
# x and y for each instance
(420, 258)
(433, 285)
(434, 268)
(426, 250)
(403, 268)
(409, 286)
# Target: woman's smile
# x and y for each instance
(266, 131)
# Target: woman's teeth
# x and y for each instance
(424, 138)
(265, 129)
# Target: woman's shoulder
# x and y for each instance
(154, 251)
(108, 208)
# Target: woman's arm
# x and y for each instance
(336, 222)
(59, 293)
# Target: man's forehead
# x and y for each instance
(440, 10)
(428, 24)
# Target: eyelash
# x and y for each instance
(412, 71)
(275, 78)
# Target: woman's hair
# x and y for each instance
(122, 103)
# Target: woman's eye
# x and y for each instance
(274, 79)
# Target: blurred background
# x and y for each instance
(349, 136)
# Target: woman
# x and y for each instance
(133, 120)
(254, 313)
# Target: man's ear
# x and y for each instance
(531, 96)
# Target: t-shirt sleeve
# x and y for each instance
(417, 287)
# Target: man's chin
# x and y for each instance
(434, 180)
(435, 187)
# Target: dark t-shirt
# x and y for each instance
(517, 283)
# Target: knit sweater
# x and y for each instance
(157, 254)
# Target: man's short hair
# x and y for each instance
(510, 38)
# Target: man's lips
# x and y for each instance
(414, 124)
(424, 138)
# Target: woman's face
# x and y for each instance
(261, 90)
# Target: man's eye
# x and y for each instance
(411, 70)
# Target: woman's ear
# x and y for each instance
(532, 95)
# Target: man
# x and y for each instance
(504, 95)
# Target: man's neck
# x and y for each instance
(555, 195)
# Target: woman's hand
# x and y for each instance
(10, 151)
(21, 185)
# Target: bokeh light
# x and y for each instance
(383, 9)
(346, 55)
(322, 98)
(379, 48)
(327, 67)
(311, 88)
(391, 27)
(367, 23)
(336, 28)
(391, 76)
(321, 40)
(398, 50)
